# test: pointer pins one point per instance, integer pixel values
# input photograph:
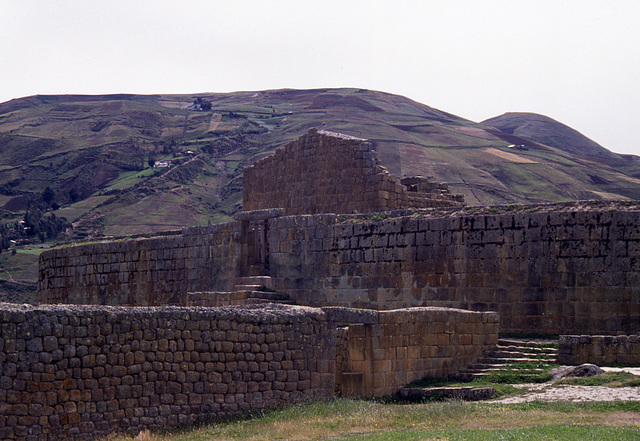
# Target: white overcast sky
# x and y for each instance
(577, 61)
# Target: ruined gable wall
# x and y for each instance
(557, 270)
(144, 271)
(82, 372)
(325, 172)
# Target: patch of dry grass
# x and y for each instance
(346, 418)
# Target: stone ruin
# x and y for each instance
(384, 281)
(85, 371)
(326, 172)
(554, 268)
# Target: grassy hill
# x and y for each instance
(96, 154)
(545, 130)
(96, 151)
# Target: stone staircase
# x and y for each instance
(248, 290)
(259, 290)
(510, 351)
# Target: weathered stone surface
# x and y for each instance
(326, 172)
(143, 271)
(351, 315)
(458, 393)
(259, 214)
(531, 268)
(149, 365)
(603, 350)
(552, 269)
(379, 353)
(584, 370)
(154, 363)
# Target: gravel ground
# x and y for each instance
(553, 392)
(550, 392)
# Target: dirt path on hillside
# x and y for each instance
(215, 122)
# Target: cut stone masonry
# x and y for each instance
(83, 372)
(553, 269)
(603, 350)
(325, 225)
(326, 172)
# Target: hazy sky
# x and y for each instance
(575, 61)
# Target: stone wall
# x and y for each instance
(142, 271)
(382, 351)
(552, 269)
(565, 268)
(602, 350)
(324, 172)
(81, 372)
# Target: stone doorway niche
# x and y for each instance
(255, 241)
(258, 244)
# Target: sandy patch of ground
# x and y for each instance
(551, 392)
(511, 157)
(631, 370)
(562, 392)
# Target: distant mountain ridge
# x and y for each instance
(127, 164)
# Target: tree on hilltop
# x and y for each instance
(202, 104)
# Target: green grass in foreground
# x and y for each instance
(343, 419)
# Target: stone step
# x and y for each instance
(258, 301)
(254, 283)
(252, 287)
(523, 354)
(500, 360)
(488, 363)
(460, 393)
(527, 348)
(491, 367)
(510, 354)
(268, 295)
(510, 351)
(265, 281)
(528, 343)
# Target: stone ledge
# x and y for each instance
(351, 315)
(266, 213)
(460, 393)
(335, 134)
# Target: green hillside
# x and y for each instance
(96, 154)
(93, 162)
